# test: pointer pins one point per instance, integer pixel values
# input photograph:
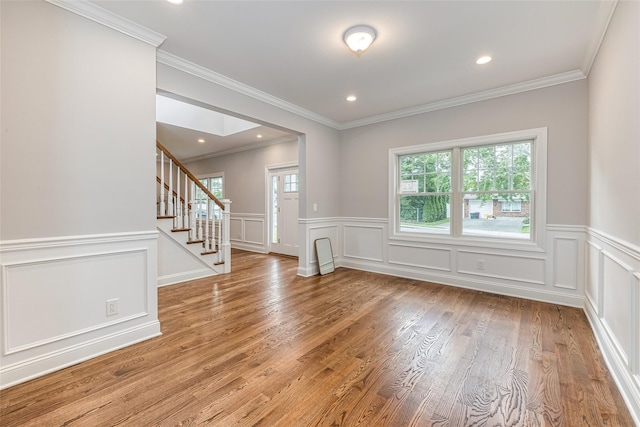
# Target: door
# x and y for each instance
(283, 235)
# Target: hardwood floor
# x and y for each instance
(264, 347)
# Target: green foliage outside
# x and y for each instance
(495, 172)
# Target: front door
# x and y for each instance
(284, 187)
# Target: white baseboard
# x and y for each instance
(172, 279)
(543, 295)
(46, 363)
(258, 248)
(628, 386)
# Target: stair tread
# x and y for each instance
(208, 252)
(166, 216)
(180, 229)
(191, 242)
(218, 263)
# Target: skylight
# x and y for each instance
(182, 114)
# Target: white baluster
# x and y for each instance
(170, 188)
(199, 218)
(206, 226)
(178, 213)
(185, 210)
(225, 248)
(162, 205)
(193, 235)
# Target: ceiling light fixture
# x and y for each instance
(201, 141)
(258, 136)
(351, 98)
(483, 60)
(175, 1)
(359, 38)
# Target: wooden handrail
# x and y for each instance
(190, 175)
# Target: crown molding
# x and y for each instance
(178, 63)
(111, 20)
(469, 99)
(603, 19)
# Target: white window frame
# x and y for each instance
(538, 206)
(214, 175)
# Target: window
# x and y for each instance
(291, 183)
(491, 187)
(513, 206)
(214, 184)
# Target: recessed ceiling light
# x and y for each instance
(201, 141)
(258, 136)
(483, 60)
(351, 98)
(175, 1)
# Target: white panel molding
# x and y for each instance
(244, 241)
(73, 241)
(611, 333)
(619, 244)
(8, 348)
(109, 19)
(628, 383)
(500, 276)
(448, 251)
(569, 248)
(378, 244)
(33, 355)
(625, 368)
(595, 300)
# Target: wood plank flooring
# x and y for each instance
(263, 347)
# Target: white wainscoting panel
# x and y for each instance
(54, 300)
(593, 286)
(321, 231)
(617, 297)
(254, 231)
(363, 242)
(413, 255)
(516, 268)
(613, 309)
(65, 297)
(565, 263)
(248, 231)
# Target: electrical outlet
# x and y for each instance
(480, 264)
(112, 307)
(315, 207)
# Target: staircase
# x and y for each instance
(193, 224)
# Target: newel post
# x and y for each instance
(226, 244)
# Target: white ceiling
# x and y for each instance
(425, 51)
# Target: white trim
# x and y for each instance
(178, 63)
(603, 19)
(44, 364)
(538, 178)
(89, 239)
(543, 82)
(109, 19)
(629, 389)
(541, 294)
(622, 245)
(173, 279)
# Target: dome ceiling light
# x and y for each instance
(359, 38)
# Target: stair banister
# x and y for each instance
(192, 214)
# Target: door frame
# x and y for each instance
(268, 170)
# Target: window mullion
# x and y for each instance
(456, 189)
